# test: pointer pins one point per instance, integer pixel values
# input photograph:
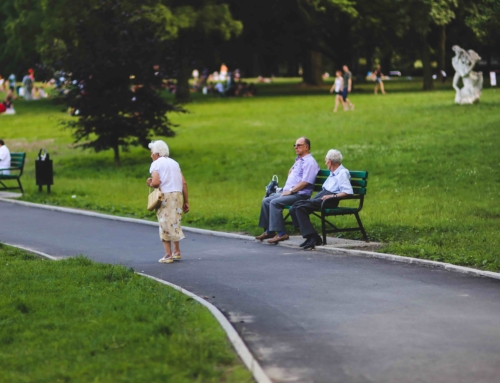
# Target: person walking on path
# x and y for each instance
(4, 158)
(347, 88)
(298, 187)
(28, 86)
(377, 73)
(166, 174)
(337, 87)
(337, 185)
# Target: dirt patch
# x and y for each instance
(23, 145)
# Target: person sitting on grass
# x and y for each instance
(299, 186)
(337, 185)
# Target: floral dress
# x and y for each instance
(169, 217)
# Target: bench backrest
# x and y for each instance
(17, 161)
(359, 180)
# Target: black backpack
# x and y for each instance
(272, 186)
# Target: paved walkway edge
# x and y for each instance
(332, 250)
(238, 344)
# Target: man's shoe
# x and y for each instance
(265, 235)
(313, 242)
(277, 238)
(304, 243)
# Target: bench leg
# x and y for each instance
(20, 186)
(323, 229)
(365, 237)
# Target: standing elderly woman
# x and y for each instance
(166, 174)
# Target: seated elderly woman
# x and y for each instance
(166, 174)
(338, 184)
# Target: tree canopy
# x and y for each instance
(268, 37)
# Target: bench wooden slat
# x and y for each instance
(17, 160)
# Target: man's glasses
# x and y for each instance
(297, 145)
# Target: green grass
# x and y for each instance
(434, 166)
(78, 321)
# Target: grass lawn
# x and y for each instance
(434, 166)
(80, 321)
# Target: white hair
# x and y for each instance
(335, 156)
(159, 147)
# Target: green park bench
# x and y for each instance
(359, 183)
(16, 171)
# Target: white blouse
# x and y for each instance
(170, 174)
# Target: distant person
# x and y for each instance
(337, 87)
(298, 187)
(166, 175)
(12, 82)
(347, 88)
(219, 88)
(4, 158)
(2, 84)
(28, 87)
(337, 185)
(378, 75)
(223, 72)
(7, 106)
(35, 93)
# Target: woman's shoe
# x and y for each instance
(176, 256)
(166, 260)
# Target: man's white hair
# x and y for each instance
(335, 156)
(159, 147)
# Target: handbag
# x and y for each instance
(272, 186)
(155, 198)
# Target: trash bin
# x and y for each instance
(44, 170)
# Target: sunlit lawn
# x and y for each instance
(434, 166)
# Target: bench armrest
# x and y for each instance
(330, 201)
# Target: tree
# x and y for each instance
(115, 80)
(484, 20)
(193, 24)
(20, 24)
(422, 16)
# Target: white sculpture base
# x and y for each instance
(471, 91)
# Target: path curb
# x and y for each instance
(235, 339)
(241, 349)
(325, 249)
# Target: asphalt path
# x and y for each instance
(306, 316)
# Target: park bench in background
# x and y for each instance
(16, 171)
(359, 183)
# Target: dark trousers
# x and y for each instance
(301, 210)
(271, 211)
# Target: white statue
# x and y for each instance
(463, 62)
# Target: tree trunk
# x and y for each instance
(182, 91)
(312, 71)
(442, 53)
(426, 63)
(116, 150)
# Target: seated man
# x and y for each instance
(299, 186)
(338, 184)
(4, 158)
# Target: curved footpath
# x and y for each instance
(305, 316)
